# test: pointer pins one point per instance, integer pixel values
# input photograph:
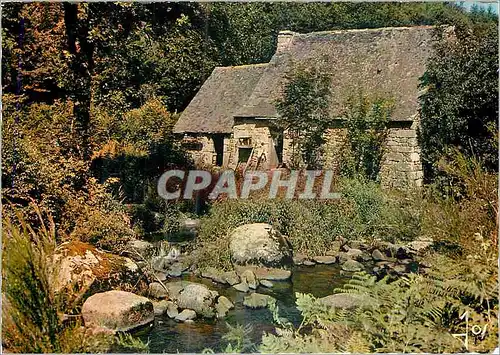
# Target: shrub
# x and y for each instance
(43, 163)
(459, 106)
(366, 122)
(304, 113)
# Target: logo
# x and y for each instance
(177, 184)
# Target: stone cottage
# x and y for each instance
(231, 120)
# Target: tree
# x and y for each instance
(459, 108)
(304, 113)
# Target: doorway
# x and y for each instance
(219, 149)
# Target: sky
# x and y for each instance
(493, 4)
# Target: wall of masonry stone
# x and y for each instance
(206, 155)
(261, 139)
(259, 133)
(401, 165)
(400, 168)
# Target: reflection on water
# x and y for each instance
(171, 337)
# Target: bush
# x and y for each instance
(366, 123)
(43, 163)
(32, 313)
(459, 106)
(136, 147)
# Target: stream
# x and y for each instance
(169, 336)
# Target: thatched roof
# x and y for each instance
(213, 107)
(385, 62)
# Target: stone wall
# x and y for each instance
(204, 153)
(256, 134)
(401, 166)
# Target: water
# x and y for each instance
(168, 336)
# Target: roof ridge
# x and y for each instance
(340, 31)
(244, 66)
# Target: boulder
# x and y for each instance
(223, 277)
(83, 270)
(298, 259)
(341, 300)
(186, 315)
(257, 300)
(231, 277)
(249, 277)
(352, 265)
(259, 244)
(139, 250)
(325, 259)
(342, 257)
(117, 311)
(172, 310)
(222, 306)
(192, 296)
(177, 269)
(214, 275)
(156, 290)
(266, 283)
(354, 253)
(160, 307)
(242, 287)
(309, 263)
(419, 246)
(398, 251)
(160, 276)
(399, 269)
(378, 256)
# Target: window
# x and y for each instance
(192, 145)
(245, 142)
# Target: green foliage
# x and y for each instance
(32, 312)
(304, 114)
(322, 330)
(416, 313)
(33, 306)
(459, 108)
(419, 312)
(364, 212)
(125, 342)
(366, 122)
(468, 207)
(238, 339)
(136, 146)
(246, 33)
(42, 162)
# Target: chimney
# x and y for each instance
(284, 40)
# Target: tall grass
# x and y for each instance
(32, 323)
(32, 317)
